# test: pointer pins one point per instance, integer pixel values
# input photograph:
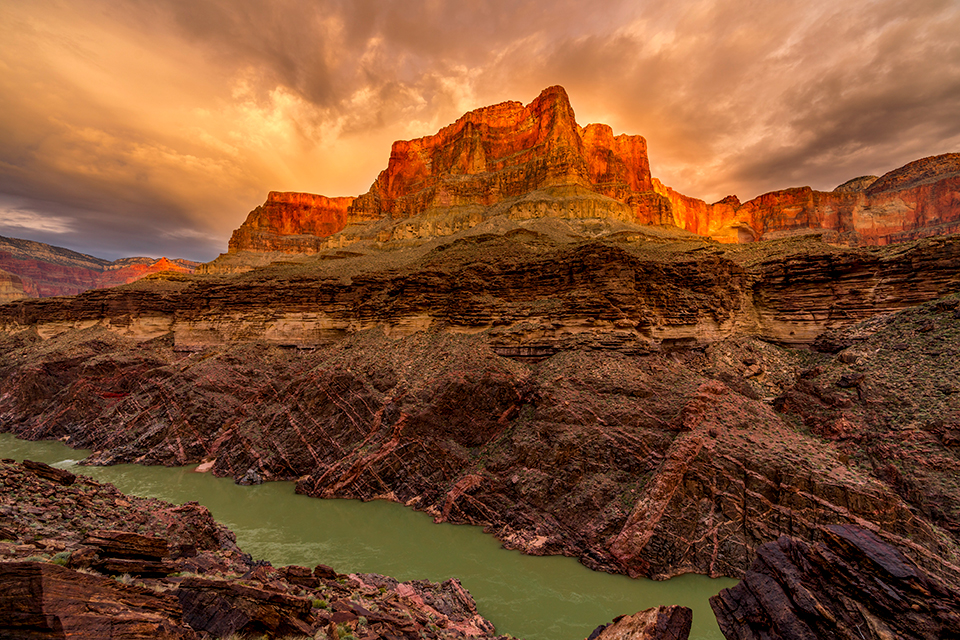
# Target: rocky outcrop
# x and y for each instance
(918, 200)
(849, 585)
(533, 161)
(659, 623)
(40, 601)
(44, 526)
(40, 270)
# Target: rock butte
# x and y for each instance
(535, 160)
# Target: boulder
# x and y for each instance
(225, 608)
(658, 623)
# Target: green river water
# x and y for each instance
(537, 598)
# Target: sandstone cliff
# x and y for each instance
(44, 270)
(529, 161)
(11, 287)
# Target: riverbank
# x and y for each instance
(534, 597)
(160, 570)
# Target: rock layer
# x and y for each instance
(527, 294)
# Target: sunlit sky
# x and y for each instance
(151, 127)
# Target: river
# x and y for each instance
(536, 598)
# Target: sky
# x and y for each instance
(152, 127)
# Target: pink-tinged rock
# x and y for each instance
(658, 623)
(40, 601)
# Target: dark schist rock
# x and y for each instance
(40, 601)
(223, 608)
(850, 585)
(658, 623)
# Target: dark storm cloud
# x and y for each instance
(158, 124)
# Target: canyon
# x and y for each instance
(519, 327)
(31, 269)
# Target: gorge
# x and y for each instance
(519, 327)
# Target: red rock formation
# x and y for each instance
(535, 160)
(291, 222)
(504, 151)
(493, 155)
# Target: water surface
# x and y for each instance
(537, 598)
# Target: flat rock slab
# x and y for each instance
(44, 470)
(41, 601)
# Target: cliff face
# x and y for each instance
(505, 151)
(646, 462)
(291, 222)
(11, 287)
(531, 161)
(918, 200)
(43, 270)
(523, 161)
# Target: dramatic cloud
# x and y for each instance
(152, 127)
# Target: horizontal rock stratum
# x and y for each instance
(531, 161)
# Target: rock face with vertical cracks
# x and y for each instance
(849, 585)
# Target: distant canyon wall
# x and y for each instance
(534, 160)
(37, 270)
